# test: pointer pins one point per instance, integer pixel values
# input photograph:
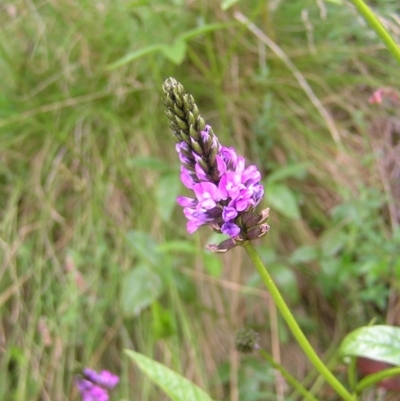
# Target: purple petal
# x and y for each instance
(251, 175)
(243, 200)
(90, 374)
(221, 166)
(107, 379)
(201, 175)
(230, 229)
(186, 178)
(183, 146)
(186, 202)
(258, 194)
(185, 159)
(196, 157)
(99, 394)
(206, 190)
(230, 157)
(229, 213)
(192, 226)
(84, 385)
(205, 135)
(240, 165)
(230, 185)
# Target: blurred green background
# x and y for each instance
(95, 257)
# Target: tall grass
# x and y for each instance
(88, 177)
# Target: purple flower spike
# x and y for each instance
(95, 386)
(226, 191)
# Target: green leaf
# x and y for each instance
(162, 321)
(282, 199)
(167, 190)
(140, 288)
(298, 171)
(304, 254)
(175, 52)
(205, 29)
(286, 281)
(332, 242)
(134, 56)
(380, 343)
(176, 386)
(144, 245)
(228, 3)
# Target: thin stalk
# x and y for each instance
(377, 26)
(294, 327)
(374, 378)
(352, 373)
(289, 378)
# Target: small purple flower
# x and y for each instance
(226, 191)
(95, 386)
(230, 229)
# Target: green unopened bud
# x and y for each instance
(193, 133)
(178, 111)
(200, 124)
(190, 118)
(181, 123)
(197, 148)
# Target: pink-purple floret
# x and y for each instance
(235, 190)
(95, 386)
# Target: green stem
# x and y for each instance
(376, 25)
(352, 373)
(289, 378)
(374, 378)
(294, 327)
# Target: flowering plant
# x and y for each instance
(226, 192)
(95, 386)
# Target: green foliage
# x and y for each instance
(140, 288)
(176, 386)
(380, 343)
(95, 257)
(255, 379)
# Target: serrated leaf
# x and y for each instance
(380, 343)
(167, 190)
(282, 199)
(175, 52)
(140, 288)
(177, 387)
